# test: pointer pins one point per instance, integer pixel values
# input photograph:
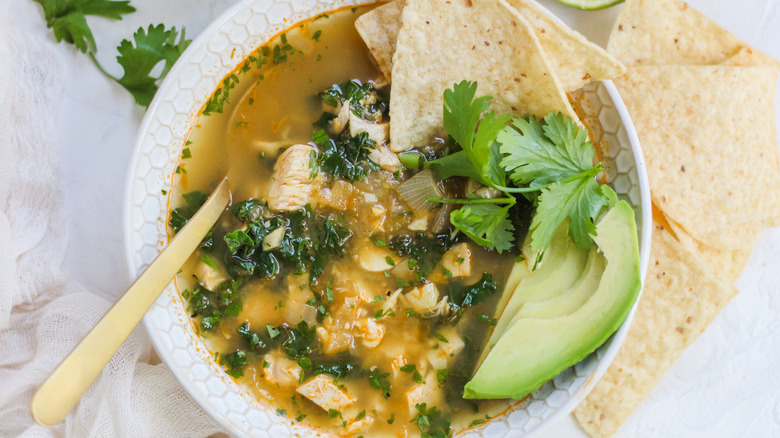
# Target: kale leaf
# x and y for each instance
(344, 157)
(365, 100)
(474, 294)
(426, 250)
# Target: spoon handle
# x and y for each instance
(60, 392)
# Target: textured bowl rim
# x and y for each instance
(645, 222)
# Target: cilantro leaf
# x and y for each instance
(480, 158)
(542, 152)
(579, 199)
(487, 224)
(67, 18)
(153, 46)
(555, 155)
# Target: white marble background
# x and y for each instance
(726, 385)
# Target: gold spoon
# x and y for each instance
(60, 392)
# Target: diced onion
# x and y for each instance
(418, 189)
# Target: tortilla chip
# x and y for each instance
(442, 43)
(575, 60)
(679, 300)
(726, 265)
(746, 57)
(669, 32)
(712, 159)
(379, 30)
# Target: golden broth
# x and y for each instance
(272, 107)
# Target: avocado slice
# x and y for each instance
(573, 298)
(561, 266)
(534, 350)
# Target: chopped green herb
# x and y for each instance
(431, 422)
(378, 380)
(207, 259)
(316, 35)
(185, 153)
(400, 282)
(485, 319)
(412, 369)
(441, 337)
(233, 363)
(441, 375)
(272, 331)
(378, 242)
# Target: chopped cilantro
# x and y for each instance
(378, 380)
(412, 369)
(233, 363)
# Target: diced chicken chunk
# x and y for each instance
(423, 299)
(379, 132)
(292, 184)
(209, 276)
(441, 356)
(337, 125)
(385, 158)
(419, 224)
(324, 393)
(426, 392)
(371, 331)
(339, 327)
(281, 370)
(359, 425)
(375, 259)
(457, 260)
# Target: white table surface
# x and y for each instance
(724, 385)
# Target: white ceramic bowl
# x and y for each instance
(161, 137)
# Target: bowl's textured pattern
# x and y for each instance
(161, 138)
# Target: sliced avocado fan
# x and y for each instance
(535, 347)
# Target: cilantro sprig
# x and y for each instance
(67, 18)
(550, 160)
(138, 58)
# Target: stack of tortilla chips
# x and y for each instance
(702, 102)
(512, 49)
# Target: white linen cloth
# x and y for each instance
(66, 133)
(43, 313)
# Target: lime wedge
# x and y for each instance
(590, 5)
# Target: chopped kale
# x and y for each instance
(431, 422)
(474, 294)
(422, 247)
(345, 156)
(180, 215)
(234, 363)
(365, 100)
(330, 241)
(213, 305)
(299, 341)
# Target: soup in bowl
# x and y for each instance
(339, 293)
